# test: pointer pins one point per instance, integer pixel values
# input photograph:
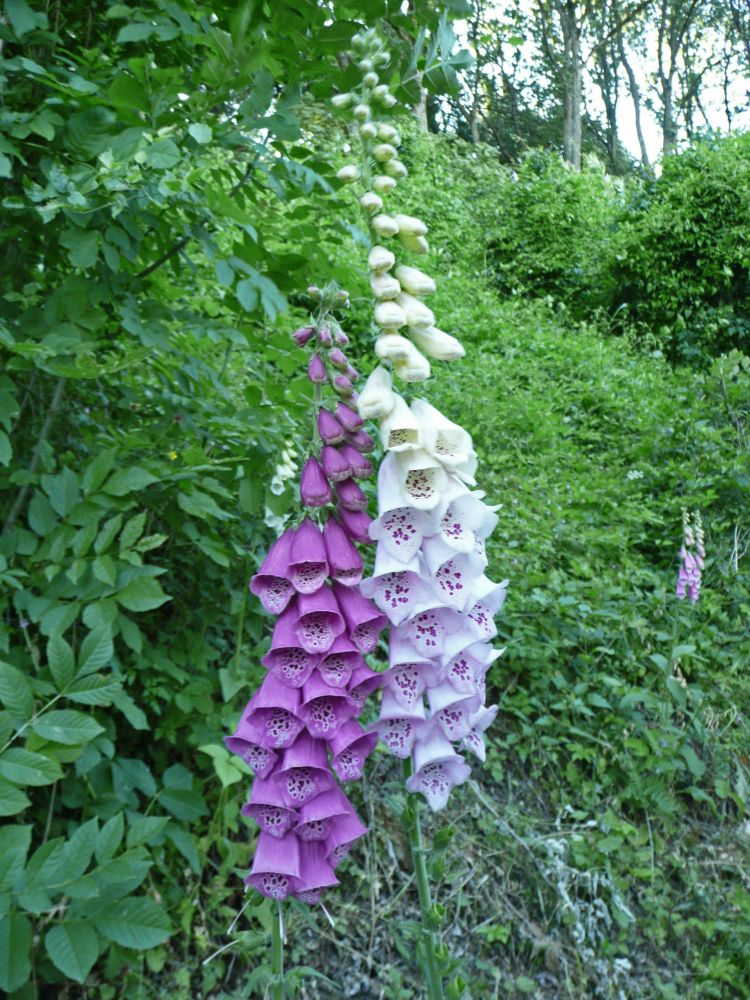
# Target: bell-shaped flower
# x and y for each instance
(350, 748)
(437, 769)
(361, 467)
(474, 739)
(414, 281)
(270, 717)
(448, 442)
(319, 620)
(314, 488)
(398, 724)
(350, 495)
(349, 420)
(275, 871)
(356, 523)
(316, 370)
(308, 565)
(303, 772)
(261, 760)
(267, 807)
(380, 259)
(363, 621)
(324, 709)
(334, 464)
(452, 711)
(343, 836)
(414, 368)
(400, 531)
(344, 560)
(426, 630)
(464, 668)
(315, 816)
(341, 659)
(286, 659)
(400, 430)
(315, 872)
(393, 347)
(416, 312)
(424, 479)
(376, 398)
(271, 584)
(362, 684)
(408, 673)
(436, 343)
(396, 587)
(329, 428)
(465, 520)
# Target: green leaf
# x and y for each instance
(96, 651)
(106, 536)
(61, 662)
(12, 799)
(201, 133)
(145, 828)
(14, 846)
(110, 838)
(62, 491)
(15, 947)
(693, 761)
(22, 18)
(186, 845)
(82, 246)
(144, 593)
(79, 849)
(183, 803)
(15, 691)
(73, 947)
(98, 470)
(247, 294)
(41, 516)
(6, 452)
(132, 531)
(23, 767)
(105, 570)
(135, 32)
(199, 504)
(135, 715)
(67, 726)
(128, 481)
(163, 154)
(137, 922)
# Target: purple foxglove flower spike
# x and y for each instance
(276, 868)
(316, 872)
(363, 682)
(350, 495)
(352, 372)
(308, 565)
(325, 337)
(267, 808)
(343, 385)
(338, 359)
(262, 760)
(303, 335)
(341, 659)
(356, 523)
(315, 816)
(329, 428)
(348, 419)
(350, 747)
(319, 620)
(335, 464)
(325, 709)
(316, 370)
(314, 488)
(360, 440)
(364, 623)
(346, 830)
(271, 583)
(361, 467)
(340, 337)
(343, 559)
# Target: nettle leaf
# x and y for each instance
(61, 661)
(15, 947)
(73, 947)
(23, 767)
(67, 726)
(15, 691)
(138, 922)
(142, 594)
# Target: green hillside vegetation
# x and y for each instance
(146, 412)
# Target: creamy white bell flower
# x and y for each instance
(384, 152)
(395, 168)
(384, 184)
(417, 313)
(380, 259)
(437, 344)
(389, 315)
(376, 399)
(449, 443)
(348, 174)
(414, 281)
(417, 244)
(424, 478)
(371, 202)
(384, 225)
(400, 430)
(393, 347)
(414, 368)
(411, 226)
(384, 285)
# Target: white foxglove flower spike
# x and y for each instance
(449, 443)
(415, 281)
(409, 225)
(417, 244)
(414, 368)
(417, 313)
(393, 347)
(376, 399)
(384, 184)
(383, 285)
(380, 259)
(400, 430)
(437, 344)
(384, 225)
(389, 315)
(424, 479)
(395, 168)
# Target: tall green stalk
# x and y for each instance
(277, 953)
(428, 940)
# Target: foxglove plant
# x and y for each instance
(429, 575)
(692, 557)
(299, 732)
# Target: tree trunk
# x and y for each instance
(635, 94)
(668, 124)
(420, 108)
(572, 83)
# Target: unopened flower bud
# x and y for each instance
(342, 100)
(388, 100)
(342, 385)
(437, 344)
(325, 337)
(418, 244)
(361, 440)
(376, 399)
(340, 337)
(415, 281)
(393, 347)
(416, 368)
(366, 65)
(384, 152)
(342, 297)
(313, 291)
(329, 427)
(384, 225)
(389, 316)
(368, 130)
(410, 225)
(338, 359)
(316, 370)
(395, 168)
(314, 488)
(384, 286)
(370, 79)
(348, 419)
(352, 372)
(417, 313)
(361, 112)
(348, 174)
(380, 259)
(371, 202)
(359, 41)
(384, 184)
(303, 335)
(381, 58)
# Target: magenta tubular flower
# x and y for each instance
(338, 359)
(316, 872)
(303, 335)
(314, 488)
(308, 566)
(342, 385)
(267, 808)
(329, 428)
(271, 718)
(364, 623)
(335, 465)
(340, 337)
(361, 467)
(271, 584)
(325, 709)
(351, 746)
(356, 523)
(343, 559)
(341, 659)
(316, 370)
(360, 440)
(325, 337)
(319, 620)
(348, 419)
(276, 867)
(286, 658)
(316, 816)
(351, 496)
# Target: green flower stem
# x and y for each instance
(277, 953)
(429, 943)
